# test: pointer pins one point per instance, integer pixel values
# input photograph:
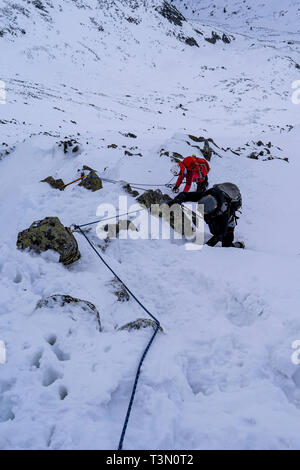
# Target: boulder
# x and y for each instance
(70, 305)
(140, 323)
(152, 197)
(131, 135)
(175, 216)
(129, 190)
(50, 234)
(226, 39)
(253, 155)
(214, 38)
(177, 219)
(119, 291)
(92, 181)
(113, 230)
(197, 139)
(190, 41)
(207, 151)
(56, 184)
(69, 145)
(177, 157)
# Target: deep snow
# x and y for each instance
(221, 375)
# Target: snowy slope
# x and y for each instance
(265, 18)
(221, 375)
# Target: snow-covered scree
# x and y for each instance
(220, 376)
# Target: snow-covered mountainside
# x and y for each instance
(266, 18)
(131, 84)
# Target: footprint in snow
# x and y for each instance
(60, 354)
(50, 375)
(6, 409)
(244, 310)
(63, 392)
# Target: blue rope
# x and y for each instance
(129, 409)
(139, 185)
(109, 218)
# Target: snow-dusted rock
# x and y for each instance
(113, 230)
(50, 234)
(54, 183)
(70, 305)
(152, 197)
(140, 323)
(92, 182)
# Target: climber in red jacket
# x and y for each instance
(194, 170)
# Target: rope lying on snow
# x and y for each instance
(133, 185)
(78, 227)
(139, 185)
(129, 409)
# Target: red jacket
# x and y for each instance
(194, 170)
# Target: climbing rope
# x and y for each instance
(138, 372)
(133, 185)
(140, 185)
(137, 184)
(109, 218)
(125, 425)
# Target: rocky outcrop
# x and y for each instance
(175, 216)
(260, 151)
(129, 190)
(177, 219)
(70, 145)
(130, 134)
(120, 291)
(175, 156)
(152, 197)
(50, 234)
(113, 230)
(56, 184)
(215, 37)
(226, 39)
(70, 304)
(92, 181)
(130, 154)
(171, 13)
(190, 41)
(202, 139)
(207, 150)
(140, 323)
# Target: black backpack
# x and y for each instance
(232, 194)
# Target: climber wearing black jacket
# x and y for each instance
(220, 205)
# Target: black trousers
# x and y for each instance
(228, 238)
(201, 187)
